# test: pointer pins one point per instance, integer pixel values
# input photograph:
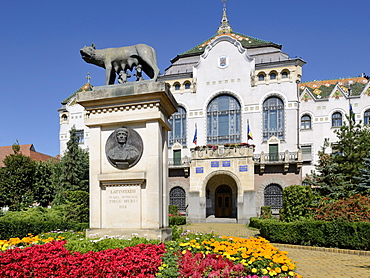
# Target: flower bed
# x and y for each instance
(193, 255)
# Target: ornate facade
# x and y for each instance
(246, 126)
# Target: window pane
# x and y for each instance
(223, 120)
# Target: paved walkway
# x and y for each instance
(310, 263)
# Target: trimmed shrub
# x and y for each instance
(21, 228)
(173, 210)
(177, 220)
(266, 212)
(337, 234)
(296, 201)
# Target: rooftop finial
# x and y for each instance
(224, 27)
(88, 77)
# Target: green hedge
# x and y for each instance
(337, 234)
(21, 228)
(177, 220)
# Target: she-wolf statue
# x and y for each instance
(140, 57)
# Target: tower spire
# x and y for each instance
(225, 26)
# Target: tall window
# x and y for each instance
(178, 122)
(336, 119)
(178, 198)
(284, 74)
(273, 196)
(261, 77)
(273, 118)
(80, 135)
(272, 75)
(367, 117)
(306, 122)
(223, 120)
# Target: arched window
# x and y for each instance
(223, 120)
(306, 122)
(336, 119)
(178, 122)
(261, 77)
(273, 118)
(64, 117)
(177, 86)
(367, 117)
(272, 75)
(284, 74)
(178, 198)
(273, 196)
(187, 86)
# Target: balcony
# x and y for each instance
(283, 158)
(179, 162)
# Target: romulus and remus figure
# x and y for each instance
(140, 57)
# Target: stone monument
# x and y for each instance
(128, 156)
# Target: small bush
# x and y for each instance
(354, 209)
(173, 210)
(266, 212)
(177, 220)
(296, 201)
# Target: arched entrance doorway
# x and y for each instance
(223, 198)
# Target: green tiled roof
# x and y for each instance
(246, 41)
(322, 89)
(86, 87)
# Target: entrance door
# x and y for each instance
(223, 201)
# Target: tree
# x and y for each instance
(363, 187)
(336, 173)
(17, 180)
(73, 173)
(352, 147)
(43, 182)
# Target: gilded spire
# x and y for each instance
(225, 26)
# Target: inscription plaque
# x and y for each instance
(123, 206)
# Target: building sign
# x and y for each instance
(226, 163)
(215, 164)
(243, 168)
(199, 170)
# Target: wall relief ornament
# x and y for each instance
(124, 148)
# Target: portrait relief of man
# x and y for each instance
(124, 148)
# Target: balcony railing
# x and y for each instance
(283, 158)
(277, 157)
(179, 162)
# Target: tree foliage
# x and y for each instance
(17, 180)
(336, 172)
(73, 172)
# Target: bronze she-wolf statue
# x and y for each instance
(140, 57)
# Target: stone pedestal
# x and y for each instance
(128, 194)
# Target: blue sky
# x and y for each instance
(40, 63)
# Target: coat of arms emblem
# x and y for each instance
(223, 62)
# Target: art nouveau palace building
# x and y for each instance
(246, 127)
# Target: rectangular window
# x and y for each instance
(273, 152)
(306, 152)
(80, 135)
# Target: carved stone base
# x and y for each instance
(164, 234)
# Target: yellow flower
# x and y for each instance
(254, 270)
(284, 268)
(264, 271)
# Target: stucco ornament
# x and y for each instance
(124, 148)
(118, 61)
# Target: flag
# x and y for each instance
(249, 132)
(195, 135)
(351, 113)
